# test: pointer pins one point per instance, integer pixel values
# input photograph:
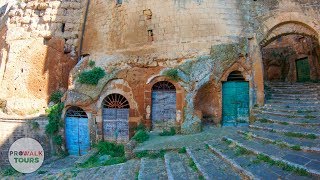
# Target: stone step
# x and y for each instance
(286, 128)
(279, 97)
(128, 170)
(99, 172)
(292, 102)
(287, 119)
(289, 109)
(305, 144)
(152, 169)
(292, 106)
(305, 160)
(294, 92)
(210, 166)
(248, 162)
(178, 168)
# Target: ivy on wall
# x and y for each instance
(55, 122)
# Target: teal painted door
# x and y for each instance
(77, 136)
(235, 103)
(303, 70)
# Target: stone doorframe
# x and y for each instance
(180, 100)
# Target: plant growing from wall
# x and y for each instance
(55, 123)
(91, 77)
(172, 74)
(56, 97)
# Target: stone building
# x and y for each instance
(169, 63)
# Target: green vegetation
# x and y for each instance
(172, 132)
(92, 76)
(91, 63)
(136, 176)
(284, 123)
(192, 165)
(42, 172)
(300, 135)
(172, 74)
(264, 120)
(34, 124)
(241, 151)
(182, 150)
(56, 97)
(141, 136)
(284, 166)
(296, 148)
(152, 155)
(54, 125)
(309, 117)
(115, 151)
(9, 172)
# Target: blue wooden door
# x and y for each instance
(235, 103)
(77, 135)
(116, 124)
(163, 111)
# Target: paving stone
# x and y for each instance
(211, 166)
(152, 169)
(178, 168)
(128, 170)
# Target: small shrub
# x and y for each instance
(56, 97)
(112, 149)
(92, 77)
(172, 74)
(141, 136)
(172, 132)
(142, 154)
(91, 63)
(182, 150)
(141, 127)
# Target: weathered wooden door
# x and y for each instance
(163, 110)
(77, 132)
(235, 103)
(303, 70)
(116, 118)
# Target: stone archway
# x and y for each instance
(288, 49)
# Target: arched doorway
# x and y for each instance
(290, 53)
(115, 115)
(163, 111)
(77, 131)
(235, 100)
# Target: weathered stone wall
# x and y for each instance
(14, 129)
(204, 40)
(38, 50)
